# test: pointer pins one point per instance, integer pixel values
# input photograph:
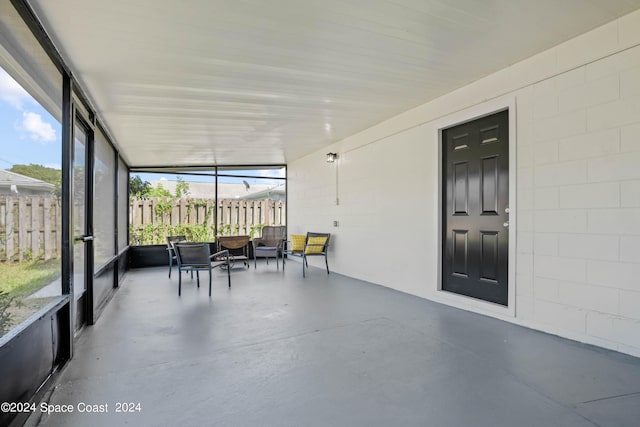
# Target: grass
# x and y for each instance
(17, 282)
(24, 278)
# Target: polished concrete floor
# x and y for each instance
(279, 350)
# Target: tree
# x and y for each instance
(138, 187)
(182, 188)
(159, 191)
(43, 173)
(143, 189)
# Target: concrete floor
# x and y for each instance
(277, 350)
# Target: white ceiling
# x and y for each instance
(227, 82)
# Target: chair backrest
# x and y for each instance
(193, 254)
(326, 242)
(272, 235)
(172, 240)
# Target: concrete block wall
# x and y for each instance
(581, 134)
(577, 147)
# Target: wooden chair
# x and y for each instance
(196, 257)
(315, 244)
(270, 244)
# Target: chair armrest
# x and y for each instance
(255, 242)
(221, 254)
(288, 249)
(224, 252)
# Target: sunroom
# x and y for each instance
(477, 166)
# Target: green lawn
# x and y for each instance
(21, 279)
(17, 282)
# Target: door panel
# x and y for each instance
(460, 253)
(461, 189)
(475, 202)
(489, 186)
(489, 256)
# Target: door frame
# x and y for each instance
(469, 114)
(81, 118)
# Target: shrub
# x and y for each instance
(6, 317)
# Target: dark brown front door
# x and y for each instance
(475, 208)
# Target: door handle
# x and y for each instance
(85, 238)
(506, 224)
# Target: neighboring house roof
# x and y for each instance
(207, 190)
(274, 193)
(15, 182)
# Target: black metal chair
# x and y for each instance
(171, 241)
(196, 257)
(315, 244)
(270, 244)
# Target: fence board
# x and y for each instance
(10, 229)
(57, 233)
(46, 225)
(34, 229)
(13, 229)
(22, 227)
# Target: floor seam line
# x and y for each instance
(610, 397)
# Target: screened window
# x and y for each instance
(183, 202)
(104, 200)
(30, 208)
(123, 205)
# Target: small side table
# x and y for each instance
(238, 244)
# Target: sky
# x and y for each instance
(261, 177)
(28, 133)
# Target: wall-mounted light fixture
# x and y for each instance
(331, 158)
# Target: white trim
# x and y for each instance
(461, 301)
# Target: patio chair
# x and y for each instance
(313, 244)
(171, 240)
(196, 257)
(270, 244)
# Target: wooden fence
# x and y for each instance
(30, 228)
(239, 215)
